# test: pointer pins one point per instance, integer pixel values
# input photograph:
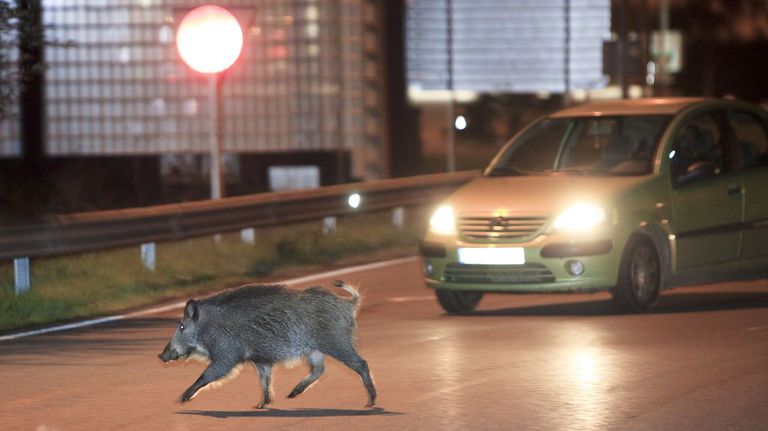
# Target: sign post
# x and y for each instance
(209, 40)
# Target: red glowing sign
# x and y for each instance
(209, 39)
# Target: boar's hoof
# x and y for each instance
(263, 404)
(188, 395)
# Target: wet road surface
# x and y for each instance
(531, 362)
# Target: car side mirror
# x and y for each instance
(695, 172)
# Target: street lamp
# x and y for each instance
(209, 40)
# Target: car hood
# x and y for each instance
(540, 195)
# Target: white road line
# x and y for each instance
(343, 271)
(398, 299)
(178, 305)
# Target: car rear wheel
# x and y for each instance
(639, 282)
(458, 302)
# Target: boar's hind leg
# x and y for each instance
(265, 379)
(215, 371)
(353, 360)
(316, 362)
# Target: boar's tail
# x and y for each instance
(351, 289)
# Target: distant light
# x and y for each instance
(165, 34)
(579, 95)
(354, 200)
(460, 123)
(311, 13)
(190, 107)
(417, 95)
(635, 91)
(672, 154)
(209, 39)
(124, 55)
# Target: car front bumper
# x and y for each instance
(552, 264)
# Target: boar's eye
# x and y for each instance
(181, 327)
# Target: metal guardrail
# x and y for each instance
(81, 232)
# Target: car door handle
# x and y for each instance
(735, 190)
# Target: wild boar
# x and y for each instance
(267, 325)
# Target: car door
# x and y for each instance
(749, 133)
(707, 195)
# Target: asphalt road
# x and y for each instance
(533, 362)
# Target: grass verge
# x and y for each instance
(91, 284)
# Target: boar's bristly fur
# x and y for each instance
(267, 325)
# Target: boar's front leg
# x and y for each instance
(215, 371)
(265, 379)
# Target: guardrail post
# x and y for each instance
(248, 236)
(21, 274)
(398, 217)
(148, 255)
(329, 225)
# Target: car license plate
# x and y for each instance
(492, 256)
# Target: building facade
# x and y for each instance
(307, 82)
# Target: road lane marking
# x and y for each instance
(344, 271)
(399, 299)
(179, 305)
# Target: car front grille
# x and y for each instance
(528, 273)
(500, 228)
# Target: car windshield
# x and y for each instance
(611, 145)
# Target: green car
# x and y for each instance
(631, 196)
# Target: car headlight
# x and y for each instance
(443, 221)
(580, 217)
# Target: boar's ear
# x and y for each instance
(191, 310)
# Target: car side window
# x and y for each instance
(698, 149)
(751, 139)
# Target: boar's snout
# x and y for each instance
(168, 354)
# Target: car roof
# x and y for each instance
(651, 106)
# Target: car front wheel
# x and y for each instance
(639, 282)
(457, 302)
